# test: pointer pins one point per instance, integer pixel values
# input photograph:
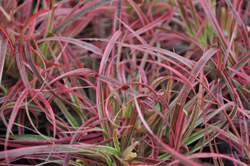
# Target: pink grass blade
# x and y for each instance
(179, 117)
(49, 109)
(210, 155)
(3, 51)
(102, 68)
(44, 149)
(155, 23)
(179, 156)
(88, 8)
(243, 27)
(117, 24)
(139, 12)
(230, 137)
(8, 37)
(163, 53)
(33, 18)
(216, 27)
(28, 54)
(107, 51)
(77, 42)
(80, 71)
(20, 65)
(76, 135)
(196, 70)
(170, 54)
(12, 118)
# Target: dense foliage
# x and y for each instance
(132, 82)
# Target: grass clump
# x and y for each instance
(112, 82)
